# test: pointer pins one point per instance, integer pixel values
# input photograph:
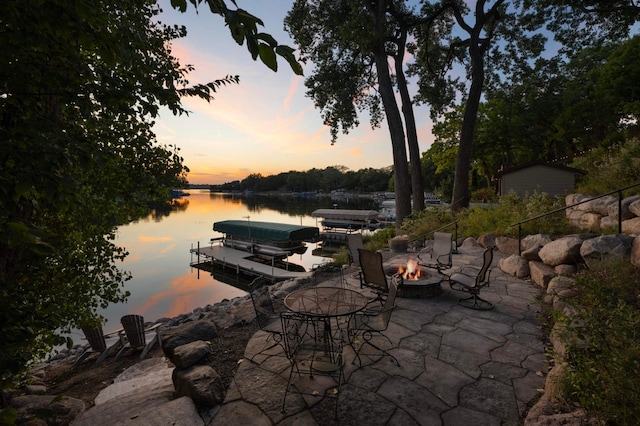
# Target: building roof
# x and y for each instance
(540, 163)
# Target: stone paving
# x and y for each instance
(457, 366)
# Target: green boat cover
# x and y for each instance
(269, 231)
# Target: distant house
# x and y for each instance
(550, 178)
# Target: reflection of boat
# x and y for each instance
(272, 239)
(255, 249)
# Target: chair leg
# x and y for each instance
(475, 302)
(367, 337)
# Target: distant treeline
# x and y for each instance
(326, 180)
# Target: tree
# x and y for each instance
(349, 44)
(80, 87)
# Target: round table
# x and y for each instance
(325, 301)
(324, 304)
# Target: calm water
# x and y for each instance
(163, 283)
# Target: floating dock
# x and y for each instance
(243, 262)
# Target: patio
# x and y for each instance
(457, 366)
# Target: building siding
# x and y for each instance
(539, 177)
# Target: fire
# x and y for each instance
(411, 272)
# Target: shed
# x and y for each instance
(554, 179)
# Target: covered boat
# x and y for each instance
(267, 238)
(349, 220)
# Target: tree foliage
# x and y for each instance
(350, 44)
(80, 87)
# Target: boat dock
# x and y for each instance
(240, 262)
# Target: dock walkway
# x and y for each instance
(239, 261)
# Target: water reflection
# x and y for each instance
(163, 284)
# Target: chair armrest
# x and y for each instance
(469, 271)
(112, 333)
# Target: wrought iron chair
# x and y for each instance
(138, 336)
(368, 324)
(312, 351)
(372, 274)
(471, 279)
(440, 255)
(268, 313)
(354, 243)
(105, 344)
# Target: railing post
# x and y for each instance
(455, 247)
(619, 212)
(519, 239)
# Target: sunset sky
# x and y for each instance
(265, 124)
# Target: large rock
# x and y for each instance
(590, 220)
(532, 253)
(635, 208)
(596, 249)
(625, 204)
(63, 409)
(541, 274)
(487, 240)
(201, 383)
(507, 245)
(608, 222)
(572, 199)
(635, 252)
(204, 330)
(631, 226)
(187, 355)
(598, 205)
(562, 250)
(535, 240)
(514, 265)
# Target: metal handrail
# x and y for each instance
(618, 191)
(423, 236)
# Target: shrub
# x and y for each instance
(604, 376)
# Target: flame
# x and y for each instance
(411, 272)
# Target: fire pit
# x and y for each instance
(417, 282)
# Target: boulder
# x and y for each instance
(625, 204)
(532, 253)
(63, 409)
(635, 207)
(190, 332)
(487, 240)
(596, 249)
(562, 250)
(572, 199)
(635, 252)
(469, 242)
(559, 284)
(565, 269)
(598, 205)
(187, 355)
(535, 240)
(514, 265)
(574, 217)
(200, 383)
(541, 274)
(507, 245)
(608, 222)
(590, 220)
(631, 226)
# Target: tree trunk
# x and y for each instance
(394, 120)
(417, 186)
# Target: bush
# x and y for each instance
(604, 376)
(609, 168)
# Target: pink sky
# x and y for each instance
(265, 124)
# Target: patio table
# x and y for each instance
(327, 304)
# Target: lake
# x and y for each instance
(163, 283)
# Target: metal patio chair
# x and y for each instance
(368, 324)
(440, 255)
(471, 279)
(373, 276)
(268, 313)
(312, 352)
